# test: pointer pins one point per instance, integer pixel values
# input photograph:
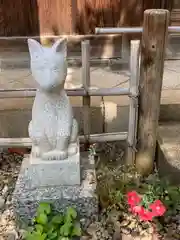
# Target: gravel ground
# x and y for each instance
(108, 227)
(9, 169)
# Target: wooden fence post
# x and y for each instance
(85, 47)
(153, 47)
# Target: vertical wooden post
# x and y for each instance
(153, 47)
(85, 46)
(133, 105)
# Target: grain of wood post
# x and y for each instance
(133, 105)
(85, 46)
(153, 46)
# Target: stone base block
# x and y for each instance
(39, 173)
(82, 197)
(168, 151)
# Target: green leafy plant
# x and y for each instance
(114, 184)
(168, 194)
(50, 226)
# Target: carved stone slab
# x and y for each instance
(42, 173)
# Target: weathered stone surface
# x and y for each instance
(82, 197)
(41, 173)
(53, 129)
(168, 151)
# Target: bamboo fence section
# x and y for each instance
(85, 92)
(86, 84)
(133, 105)
(105, 30)
(171, 29)
(78, 92)
(93, 138)
(144, 93)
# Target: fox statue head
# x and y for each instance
(48, 64)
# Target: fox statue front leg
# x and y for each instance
(60, 152)
(39, 140)
(65, 145)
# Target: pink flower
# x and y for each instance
(146, 215)
(158, 208)
(137, 209)
(133, 199)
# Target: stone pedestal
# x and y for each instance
(59, 183)
(42, 173)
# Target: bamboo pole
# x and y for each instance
(171, 29)
(153, 45)
(99, 31)
(104, 137)
(133, 105)
(25, 93)
(85, 46)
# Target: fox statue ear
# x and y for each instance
(34, 47)
(60, 46)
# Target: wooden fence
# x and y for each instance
(37, 17)
(144, 93)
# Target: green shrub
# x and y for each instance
(50, 226)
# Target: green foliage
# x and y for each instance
(156, 188)
(50, 226)
(92, 150)
(115, 183)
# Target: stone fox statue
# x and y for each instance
(53, 130)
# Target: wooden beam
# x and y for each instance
(153, 45)
(85, 46)
(25, 93)
(102, 137)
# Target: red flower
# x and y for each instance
(133, 198)
(137, 209)
(146, 215)
(158, 208)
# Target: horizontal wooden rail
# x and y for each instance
(103, 137)
(14, 62)
(69, 37)
(171, 29)
(24, 92)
